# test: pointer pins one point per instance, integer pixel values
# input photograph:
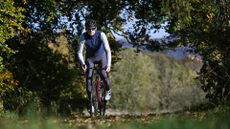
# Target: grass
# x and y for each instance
(212, 118)
(216, 118)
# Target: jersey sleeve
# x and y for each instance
(107, 48)
(80, 49)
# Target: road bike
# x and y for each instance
(97, 96)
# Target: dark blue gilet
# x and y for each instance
(94, 45)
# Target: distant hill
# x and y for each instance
(190, 60)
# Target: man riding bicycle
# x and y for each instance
(97, 51)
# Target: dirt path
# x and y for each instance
(116, 115)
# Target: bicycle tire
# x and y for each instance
(103, 101)
(93, 101)
(104, 106)
(98, 85)
(101, 97)
(97, 96)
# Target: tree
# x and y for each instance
(11, 18)
(47, 73)
(42, 74)
(206, 27)
(200, 24)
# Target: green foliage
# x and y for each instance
(203, 25)
(147, 82)
(176, 123)
(110, 16)
(17, 101)
(45, 67)
(11, 18)
(10, 120)
(44, 63)
(215, 118)
(7, 83)
(207, 32)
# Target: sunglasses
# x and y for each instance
(89, 29)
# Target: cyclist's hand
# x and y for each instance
(84, 67)
(108, 69)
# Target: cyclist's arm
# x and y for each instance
(107, 48)
(80, 49)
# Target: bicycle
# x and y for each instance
(97, 96)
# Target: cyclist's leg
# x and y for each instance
(89, 74)
(104, 74)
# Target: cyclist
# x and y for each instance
(97, 51)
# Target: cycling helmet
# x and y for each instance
(90, 23)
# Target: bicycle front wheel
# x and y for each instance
(94, 101)
(103, 101)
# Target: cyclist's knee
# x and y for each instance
(89, 78)
(104, 74)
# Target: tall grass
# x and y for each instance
(10, 120)
(211, 118)
(153, 82)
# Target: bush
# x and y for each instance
(46, 72)
(153, 81)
